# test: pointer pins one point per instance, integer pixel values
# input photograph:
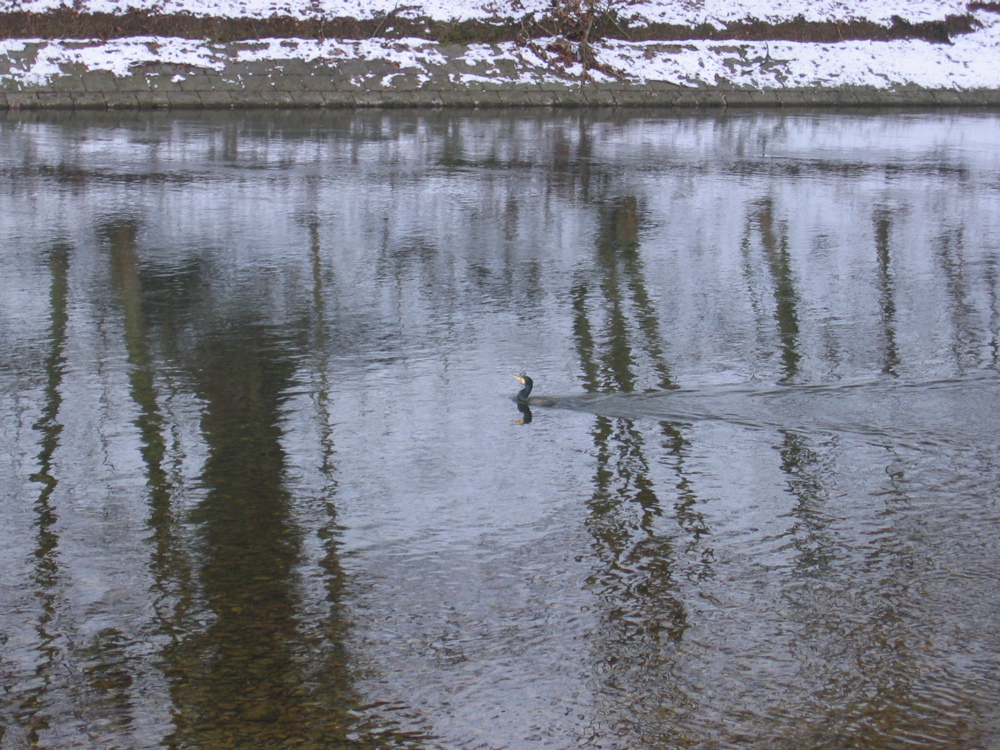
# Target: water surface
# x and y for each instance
(263, 483)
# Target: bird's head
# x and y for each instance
(523, 393)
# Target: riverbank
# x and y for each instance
(948, 60)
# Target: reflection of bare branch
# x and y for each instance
(773, 235)
(170, 571)
(46, 549)
(883, 220)
(636, 559)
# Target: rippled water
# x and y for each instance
(263, 483)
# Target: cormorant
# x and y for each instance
(523, 395)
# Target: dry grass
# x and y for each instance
(69, 24)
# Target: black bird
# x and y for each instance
(524, 395)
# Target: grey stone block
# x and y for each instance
(864, 96)
(458, 99)
(837, 97)
(22, 100)
(276, 99)
(195, 82)
(452, 51)
(215, 99)
(738, 99)
(598, 97)
(382, 68)
(351, 68)
(765, 98)
(438, 81)
(792, 97)
(55, 100)
(254, 68)
(909, 97)
(556, 85)
(542, 98)
(89, 100)
(27, 54)
(514, 97)
(338, 99)
(244, 99)
(391, 98)
(99, 81)
(317, 82)
(184, 99)
(664, 98)
(308, 99)
(152, 100)
(293, 67)
(988, 97)
(65, 84)
(121, 100)
(700, 98)
(947, 97)
(132, 83)
(404, 82)
(505, 68)
(257, 82)
(628, 98)
(470, 99)
(368, 99)
(662, 86)
(161, 82)
(224, 83)
(280, 82)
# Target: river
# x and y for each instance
(264, 484)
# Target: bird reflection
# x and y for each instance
(525, 412)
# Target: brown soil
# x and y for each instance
(68, 24)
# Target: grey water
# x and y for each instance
(263, 482)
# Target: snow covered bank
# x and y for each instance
(969, 63)
(359, 66)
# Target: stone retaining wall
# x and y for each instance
(450, 80)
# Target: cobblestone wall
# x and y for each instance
(450, 81)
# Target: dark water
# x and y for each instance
(263, 484)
